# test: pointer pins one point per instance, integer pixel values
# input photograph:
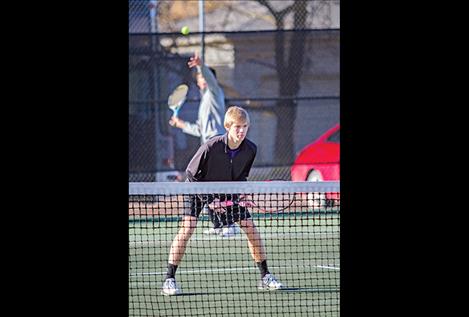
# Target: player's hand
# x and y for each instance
(176, 122)
(194, 61)
(247, 203)
(219, 206)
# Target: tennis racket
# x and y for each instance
(273, 202)
(261, 202)
(177, 98)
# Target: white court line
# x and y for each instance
(328, 267)
(232, 269)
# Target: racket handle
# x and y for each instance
(175, 112)
(220, 204)
(247, 203)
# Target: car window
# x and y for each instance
(335, 137)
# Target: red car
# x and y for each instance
(319, 161)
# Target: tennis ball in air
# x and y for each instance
(185, 30)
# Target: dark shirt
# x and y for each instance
(212, 162)
(232, 153)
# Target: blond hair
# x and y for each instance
(235, 114)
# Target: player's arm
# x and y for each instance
(191, 128)
(186, 126)
(176, 122)
(212, 82)
(197, 165)
(247, 168)
(246, 200)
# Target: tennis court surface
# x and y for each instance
(299, 223)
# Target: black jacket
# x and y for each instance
(211, 162)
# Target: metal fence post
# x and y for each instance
(202, 28)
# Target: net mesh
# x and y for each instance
(218, 274)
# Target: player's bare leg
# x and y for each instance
(256, 246)
(178, 247)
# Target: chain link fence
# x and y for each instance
(277, 59)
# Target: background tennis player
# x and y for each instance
(209, 123)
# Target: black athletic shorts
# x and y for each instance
(196, 203)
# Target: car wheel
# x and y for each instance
(316, 200)
(314, 176)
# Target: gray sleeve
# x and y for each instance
(192, 128)
(217, 111)
(212, 82)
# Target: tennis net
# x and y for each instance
(297, 222)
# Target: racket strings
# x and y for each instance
(178, 96)
(274, 201)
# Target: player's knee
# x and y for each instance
(189, 224)
(247, 223)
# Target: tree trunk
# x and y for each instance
(289, 75)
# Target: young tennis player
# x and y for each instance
(209, 123)
(227, 157)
